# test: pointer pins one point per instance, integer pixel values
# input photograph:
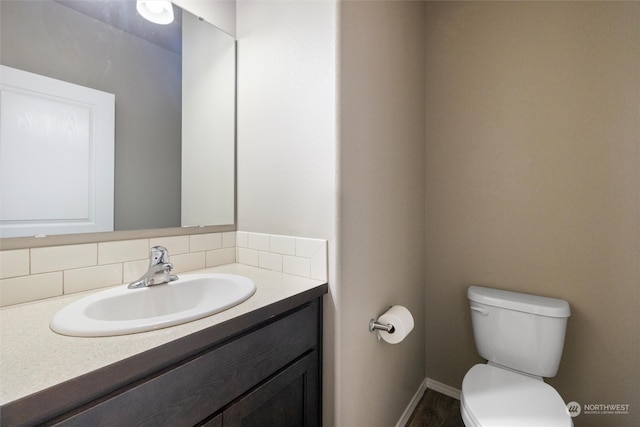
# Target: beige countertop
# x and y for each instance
(34, 358)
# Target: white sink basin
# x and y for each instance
(121, 311)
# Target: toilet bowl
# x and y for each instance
(495, 397)
(522, 337)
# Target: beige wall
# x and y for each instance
(381, 207)
(533, 182)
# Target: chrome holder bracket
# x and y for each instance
(373, 326)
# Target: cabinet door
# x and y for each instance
(214, 422)
(289, 399)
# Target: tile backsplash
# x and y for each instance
(291, 255)
(37, 273)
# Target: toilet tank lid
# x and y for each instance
(544, 306)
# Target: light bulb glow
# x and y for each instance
(155, 6)
(156, 11)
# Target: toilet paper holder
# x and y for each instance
(393, 325)
(374, 325)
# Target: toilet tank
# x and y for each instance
(519, 331)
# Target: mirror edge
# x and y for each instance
(107, 236)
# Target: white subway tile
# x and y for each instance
(102, 264)
(57, 258)
(283, 245)
(14, 263)
(319, 263)
(297, 266)
(123, 251)
(221, 257)
(205, 242)
(84, 279)
(174, 244)
(270, 261)
(30, 288)
(188, 262)
(248, 256)
(133, 270)
(258, 241)
(308, 247)
(242, 239)
(229, 239)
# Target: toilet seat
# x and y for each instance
(495, 397)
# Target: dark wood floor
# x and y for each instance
(436, 410)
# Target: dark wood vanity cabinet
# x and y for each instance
(281, 401)
(267, 375)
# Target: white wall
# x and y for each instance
(286, 117)
(287, 131)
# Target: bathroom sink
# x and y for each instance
(121, 311)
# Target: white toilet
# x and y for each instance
(522, 337)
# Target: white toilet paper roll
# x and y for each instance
(401, 319)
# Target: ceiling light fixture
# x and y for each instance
(156, 11)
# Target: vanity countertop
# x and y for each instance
(33, 358)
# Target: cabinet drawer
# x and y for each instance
(198, 387)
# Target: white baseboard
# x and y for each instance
(443, 388)
(433, 385)
(404, 419)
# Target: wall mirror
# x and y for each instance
(174, 88)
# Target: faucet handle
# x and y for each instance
(158, 255)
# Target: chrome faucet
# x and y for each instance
(159, 269)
